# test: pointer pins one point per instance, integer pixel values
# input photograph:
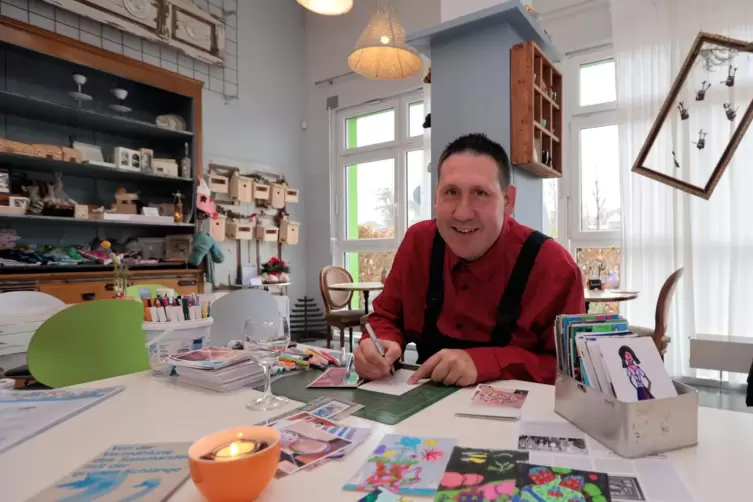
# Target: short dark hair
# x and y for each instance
(479, 144)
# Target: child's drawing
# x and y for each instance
(635, 373)
(404, 464)
(479, 475)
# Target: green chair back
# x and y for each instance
(87, 342)
(135, 290)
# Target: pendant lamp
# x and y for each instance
(381, 53)
(328, 7)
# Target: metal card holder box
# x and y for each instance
(631, 430)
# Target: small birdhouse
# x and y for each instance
(289, 232)
(240, 230)
(277, 197)
(217, 228)
(261, 191)
(266, 233)
(217, 183)
(291, 195)
(241, 189)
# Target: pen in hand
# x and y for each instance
(378, 344)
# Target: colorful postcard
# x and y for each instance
(636, 369)
(336, 408)
(337, 377)
(130, 472)
(356, 435)
(479, 475)
(538, 483)
(382, 495)
(404, 464)
(495, 402)
(209, 358)
(303, 444)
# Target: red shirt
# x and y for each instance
(472, 293)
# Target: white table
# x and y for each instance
(155, 410)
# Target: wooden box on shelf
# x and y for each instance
(53, 152)
(261, 191)
(241, 189)
(217, 183)
(81, 212)
(240, 230)
(291, 195)
(289, 232)
(16, 147)
(277, 196)
(217, 228)
(178, 247)
(266, 233)
(535, 112)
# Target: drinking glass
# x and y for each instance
(265, 340)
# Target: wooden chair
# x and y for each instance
(338, 312)
(659, 331)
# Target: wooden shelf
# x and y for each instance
(533, 80)
(32, 218)
(39, 164)
(47, 111)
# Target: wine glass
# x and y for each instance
(265, 340)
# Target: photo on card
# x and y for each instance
(303, 444)
(331, 409)
(538, 483)
(625, 489)
(552, 444)
(488, 395)
(479, 475)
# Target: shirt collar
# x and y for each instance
(484, 267)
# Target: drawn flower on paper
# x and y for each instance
(432, 455)
(380, 449)
(431, 443)
(409, 442)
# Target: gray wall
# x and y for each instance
(470, 92)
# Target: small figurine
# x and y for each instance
(674, 157)
(684, 114)
(178, 207)
(730, 82)
(701, 93)
(731, 114)
(701, 143)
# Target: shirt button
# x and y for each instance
(458, 326)
(465, 287)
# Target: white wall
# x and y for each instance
(263, 126)
(328, 41)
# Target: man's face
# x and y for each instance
(470, 204)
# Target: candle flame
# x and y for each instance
(234, 449)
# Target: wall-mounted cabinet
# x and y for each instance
(536, 112)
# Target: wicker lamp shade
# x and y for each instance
(381, 53)
(328, 7)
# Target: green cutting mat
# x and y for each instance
(378, 407)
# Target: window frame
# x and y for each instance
(397, 150)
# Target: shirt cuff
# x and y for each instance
(487, 367)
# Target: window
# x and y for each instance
(380, 181)
(591, 206)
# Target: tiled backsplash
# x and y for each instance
(220, 80)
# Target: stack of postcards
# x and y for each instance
(217, 368)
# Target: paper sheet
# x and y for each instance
(396, 385)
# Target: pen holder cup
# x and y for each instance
(631, 430)
(165, 339)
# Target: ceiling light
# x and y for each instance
(381, 53)
(328, 7)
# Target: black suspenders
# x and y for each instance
(508, 310)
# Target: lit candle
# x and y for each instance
(234, 450)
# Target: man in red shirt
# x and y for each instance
(475, 290)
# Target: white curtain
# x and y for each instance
(665, 229)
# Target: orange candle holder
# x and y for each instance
(235, 465)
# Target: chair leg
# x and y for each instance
(342, 338)
(329, 336)
(350, 333)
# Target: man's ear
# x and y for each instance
(510, 194)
